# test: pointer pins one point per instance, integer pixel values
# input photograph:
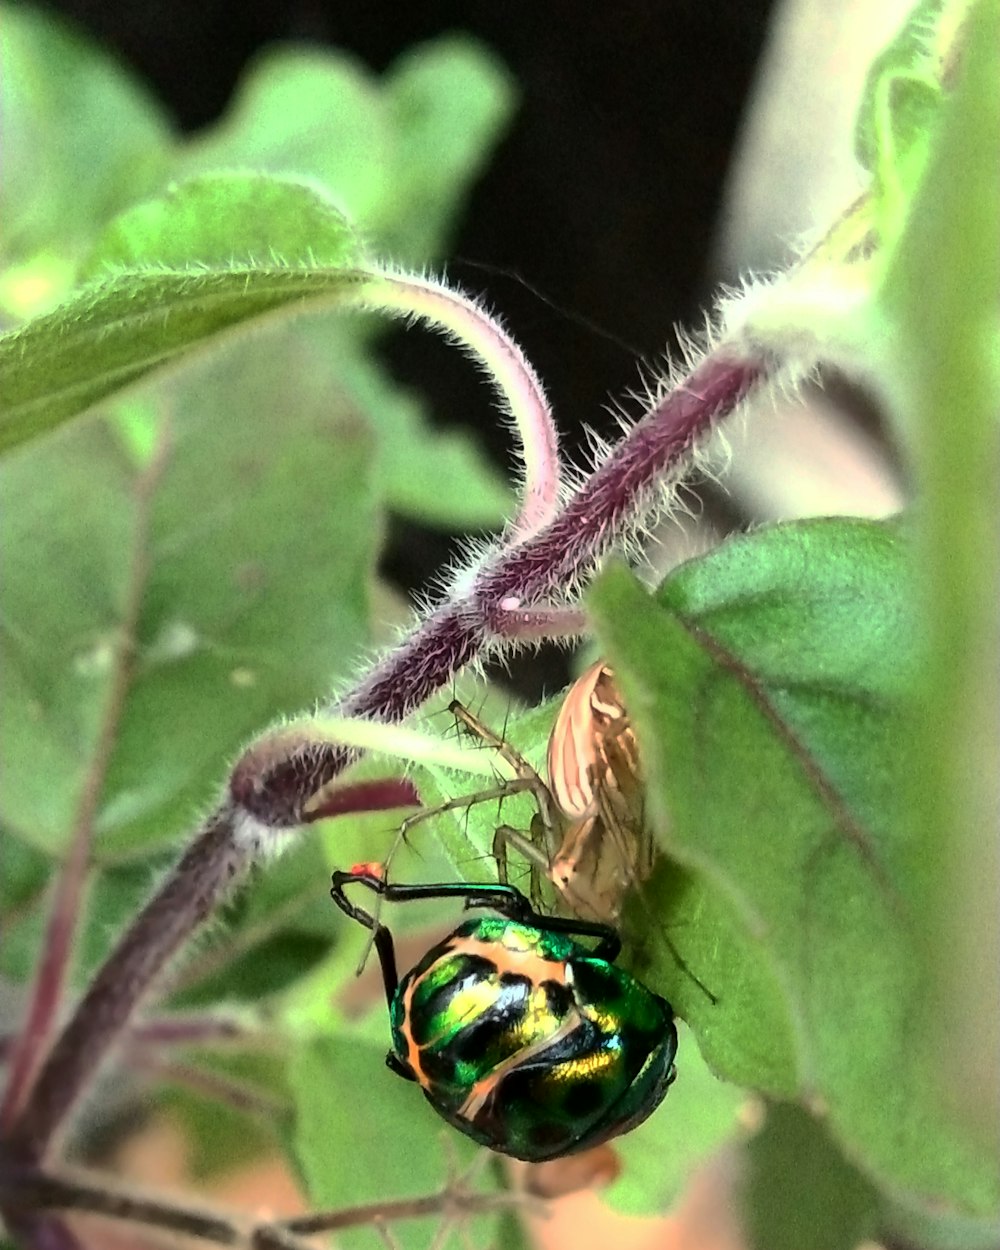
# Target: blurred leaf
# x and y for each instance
(274, 933)
(221, 1137)
(397, 154)
(24, 875)
(770, 684)
(70, 516)
(305, 113)
(203, 261)
(81, 139)
(448, 101)
(940, 338)
(798, 1189)
(364, 1135)
(436, 477)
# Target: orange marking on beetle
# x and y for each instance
(514, 954)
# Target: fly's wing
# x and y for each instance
(594, 775)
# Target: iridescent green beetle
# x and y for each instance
(520, 1036)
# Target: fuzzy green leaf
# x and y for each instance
(771, 684)
(198, 263)
(252, 582)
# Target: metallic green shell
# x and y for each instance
(529, 1044)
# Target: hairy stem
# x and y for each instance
(204, 874)
(515, 381)
(613, 501)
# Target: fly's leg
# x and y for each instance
(527, 846)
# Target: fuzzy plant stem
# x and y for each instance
(612, 502)
(522, 400)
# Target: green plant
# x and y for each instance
(184, 569)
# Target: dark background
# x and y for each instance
(603, 195)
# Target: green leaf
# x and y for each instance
(229, 220)
(437, 477)
(273, 934)
(770, 684)
(70, 515)
(364, 1135)
(798, 1190)
(200, 262)
(247, 546)
(736, 1008)
(448, 101)
(308, 114)
(396, 154)
(221, 1137)
(81, 140)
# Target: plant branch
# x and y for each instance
(31, 1191)
(211, 1085)
(450, 1201)
(26, 1192)
(205, 872)
(46, 995)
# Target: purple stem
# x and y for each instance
(614, 500)
(192, 889)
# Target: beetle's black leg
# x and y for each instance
(505, 899)
(395, 1064)
(609, 944)
(383, 938)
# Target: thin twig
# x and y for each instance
(446, 1201)
(215, 1086)
(33, 1191)
(28, 1192)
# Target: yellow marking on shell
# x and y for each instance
(607, 1023)
(484, 1089)
(514, 954)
